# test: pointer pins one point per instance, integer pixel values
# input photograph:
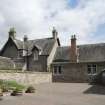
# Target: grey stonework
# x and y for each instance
(38, 65)
(19, 63)
(74, 72)
(23, 53)
(27, 78)
(44, 55)
(90, 54)
(6, 63)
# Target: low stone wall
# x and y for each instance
(6, 63)
(71, 72)
(28, 78)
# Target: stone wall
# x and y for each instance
(71, 73)
(28, 78)
(74, 72)
(19, 63)
(39, 65)
(6, 63)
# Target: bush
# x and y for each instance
(30, 89)
(10, 85)
(1, 93)
(16, 92)
(5, 88)
(14, 84)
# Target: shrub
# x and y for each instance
(1, 82)
(1, 93)
(5, 88)
(16, 92)
(14, 84)
(10, 85)
(30, 89)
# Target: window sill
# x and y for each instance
(92, 74)
(57, 74)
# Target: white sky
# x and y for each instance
(36, 18)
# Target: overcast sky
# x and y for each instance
(35, 18)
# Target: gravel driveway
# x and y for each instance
(60, 94)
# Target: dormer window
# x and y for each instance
(35, 54)
(20, 53)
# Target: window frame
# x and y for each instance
(57, 70)
(92, 67)
(34, 55)
(20, 53)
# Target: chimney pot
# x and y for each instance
(54, 33)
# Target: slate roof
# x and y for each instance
(62, 54)
(45, 45)
(92, 52)
(18, 43)
(86, 53)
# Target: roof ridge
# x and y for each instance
(63, 46)
(41, 38)
(91, 44)
(83, 45)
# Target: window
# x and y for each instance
(57, 70)
(35, 54)
(25, 52)
(20, 53)
(92, 69)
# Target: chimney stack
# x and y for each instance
(73, 49)
(12, 33)
(25, 45)
(25, 38)
(54, 33)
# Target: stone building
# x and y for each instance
(73, 63)
(35, 55)
(77, 63)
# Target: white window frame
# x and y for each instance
(92, 69)
(57, 70)
(35, 54)
(24, 52)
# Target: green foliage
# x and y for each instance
(1, 93)
(4, 88)
(14, 84)
(10, 85)
(17, 91)
(1, 82)
(30, 89)
(0, 90)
